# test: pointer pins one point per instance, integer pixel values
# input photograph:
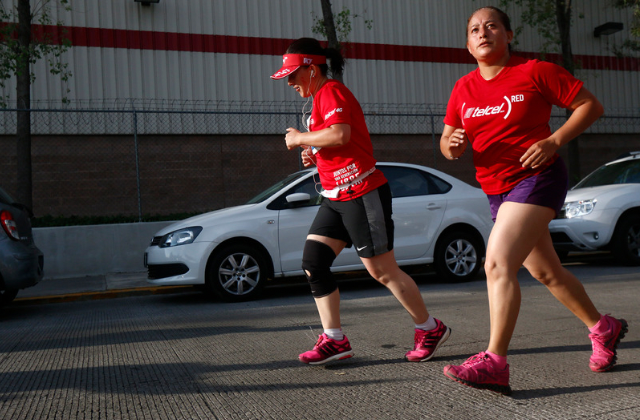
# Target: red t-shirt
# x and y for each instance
(504, 116)
(335, 104)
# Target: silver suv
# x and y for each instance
(602, 212)
(21, 261)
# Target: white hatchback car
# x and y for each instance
(233, 251)
(602, 212)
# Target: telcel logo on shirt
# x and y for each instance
(330, 113)
(479, 112)
(474, 112)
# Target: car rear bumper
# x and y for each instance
(22, 267)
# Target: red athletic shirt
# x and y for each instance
(335, 104)
(504, 116)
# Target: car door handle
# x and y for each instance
(433, 206)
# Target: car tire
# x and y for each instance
(237, 273)
(625, 243)
(7, 296)
(458, 256)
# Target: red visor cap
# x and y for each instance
(292, 62)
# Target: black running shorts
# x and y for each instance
(364, 222)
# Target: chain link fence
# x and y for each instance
(163, 158)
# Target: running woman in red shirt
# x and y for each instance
(357, 206)
(503, 109)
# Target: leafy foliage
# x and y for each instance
(342, 21)
(542, 15)
(47, 44)
(633, 42)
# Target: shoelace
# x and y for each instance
(319, 342)
(474, 360)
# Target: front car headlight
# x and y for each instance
(578, 208)
(180, 237)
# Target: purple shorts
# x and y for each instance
(548, 189)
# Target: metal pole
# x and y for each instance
(433, 140)
(135, 141)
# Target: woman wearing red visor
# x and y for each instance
(356, 210)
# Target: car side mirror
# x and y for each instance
(298, 198)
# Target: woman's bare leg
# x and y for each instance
(517, 230)
(384, 269)
(544, 265)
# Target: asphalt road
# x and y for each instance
(182, 356)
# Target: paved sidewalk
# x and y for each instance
(93, 287)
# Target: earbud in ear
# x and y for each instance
(313, 73)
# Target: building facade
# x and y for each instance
(170, 108)
(212, 53)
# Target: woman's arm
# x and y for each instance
(453, 142)
(332, 136)
(586, 110)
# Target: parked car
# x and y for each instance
(438, 220)
(21, 262)
(602, 212)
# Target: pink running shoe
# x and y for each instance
(326, 350)
(604, 345)
(427, 342)
(480, 372)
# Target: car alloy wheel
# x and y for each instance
(237, 272)
(458, 256)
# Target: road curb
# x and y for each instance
(99, 295)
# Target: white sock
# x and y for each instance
(334, 333)
(428, 325)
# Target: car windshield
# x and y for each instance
(277, 187)
(625, 172)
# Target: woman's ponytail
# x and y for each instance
(336, 60)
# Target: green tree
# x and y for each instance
(553, 19)
(633, 42)
(20, 48)
(335, 28)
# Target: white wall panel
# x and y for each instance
(154, 76)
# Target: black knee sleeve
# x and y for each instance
(316, 262)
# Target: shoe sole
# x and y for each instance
(624, 329)
(444, 338)
(339, 356)
(501, 389)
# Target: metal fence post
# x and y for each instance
(135, 141)
(433, 139)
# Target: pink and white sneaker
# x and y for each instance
(327, 350)
(604, 345)
(480, 372)
(427, 342)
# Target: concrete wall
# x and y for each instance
(75, 251)
(102, 249)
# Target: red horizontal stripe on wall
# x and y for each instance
(173, 41)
